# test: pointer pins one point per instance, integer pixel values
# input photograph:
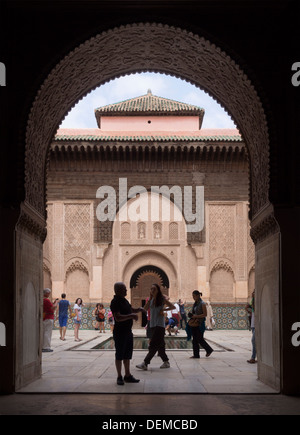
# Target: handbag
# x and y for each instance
(194, 322)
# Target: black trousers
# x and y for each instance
(198, 339)
(157, 344)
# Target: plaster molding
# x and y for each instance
(264, 224)
(32, 222)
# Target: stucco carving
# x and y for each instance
(76, 265)
(264, 224)
(76, 230)
(221, 264)
(31, 222)
(145, 47)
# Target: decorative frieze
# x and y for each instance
(79, 155)
(31, 222)
(264, 224)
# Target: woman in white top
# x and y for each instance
(78, 316)
(157, 303)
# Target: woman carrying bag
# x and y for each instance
(197, 324)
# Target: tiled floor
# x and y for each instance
(79, 369)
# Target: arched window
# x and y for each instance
(157, 230)
(141, 230)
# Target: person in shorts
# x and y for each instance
(63, 307)
(111, 320)
(124, 315)
(78, 316)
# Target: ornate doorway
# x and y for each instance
(141, 282)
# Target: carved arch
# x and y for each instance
(76, 264)
(222, 264)
(135, 48)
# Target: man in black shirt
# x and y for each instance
(124, 315)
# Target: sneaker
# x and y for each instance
(131, 379)
(120, 380)
(165, 365)
(142, 366)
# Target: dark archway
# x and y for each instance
(140, 284)
(120, 51)
(155, 269)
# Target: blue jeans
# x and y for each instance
(253, 344)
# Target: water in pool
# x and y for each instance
(175, 343)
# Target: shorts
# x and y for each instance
(63, 321)
(78, 322)
(123, 345)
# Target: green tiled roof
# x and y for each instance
(150, 103)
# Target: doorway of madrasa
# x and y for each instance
(141, 282)
(77, 74)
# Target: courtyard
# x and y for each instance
(78, 368)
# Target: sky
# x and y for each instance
(135, 85)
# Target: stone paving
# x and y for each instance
(77, 368)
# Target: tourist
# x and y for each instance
(48, 320)
(101, 317)
(63, 307)
(77, 319)
(249, 315)
(95, 313)
(148, 329)
(252, 360)
(157, 303)
(99, 314)
(111, 320)
(182, 314)
(124, 315)
(198, 314)
(171, 325)
(210, 322)
(174, 313)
